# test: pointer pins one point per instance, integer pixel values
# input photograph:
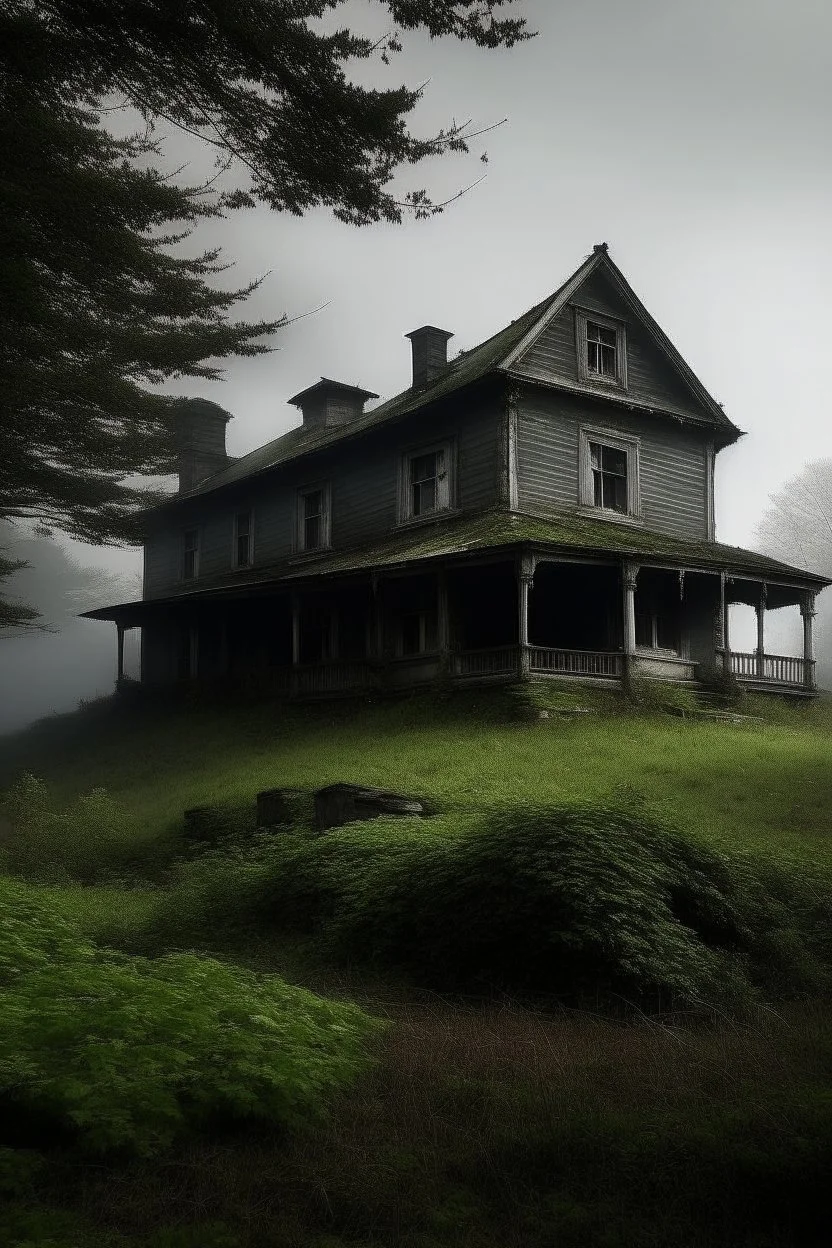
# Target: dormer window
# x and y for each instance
(243, 534)
(426, 482)
(602, 349)
(313, 518)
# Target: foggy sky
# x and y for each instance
(693, 138)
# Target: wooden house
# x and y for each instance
(540, 506)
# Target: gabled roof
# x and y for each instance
(497, 355)
(327, 386)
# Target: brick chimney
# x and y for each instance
(330, 403)
(430, 353)
(200, 437)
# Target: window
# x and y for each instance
(243, 535)
(190, 554)
(608, 476)
(313, 518)
(417, 632)
(426, 482)
(657, 630)
(602, 349)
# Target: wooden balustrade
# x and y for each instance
(779, 668)
(576, 662)
(331, 677)
(498, 661)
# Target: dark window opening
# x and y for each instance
(425, 472)
(601, 350)
(313, 520)
(609, 477)
(190, 555)
(243, 541)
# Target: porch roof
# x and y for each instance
(491, 530)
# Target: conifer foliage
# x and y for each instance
(103, 298)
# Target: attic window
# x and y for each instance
(242, 539)
(190, 554)
(602, 349)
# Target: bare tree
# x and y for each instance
(797, 527)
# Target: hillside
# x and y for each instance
(485, 1120)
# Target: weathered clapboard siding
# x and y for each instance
(650, 378)
(364, 482)
(672, 461)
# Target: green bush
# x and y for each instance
(117, 1053)
(581, 901)
(89, 839)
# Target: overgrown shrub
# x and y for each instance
(87, 840)
(584, 901)
(110, 1052)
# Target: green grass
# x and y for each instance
(766, 785)
(482, 1126)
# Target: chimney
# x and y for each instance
(430, 353)
(329, 403)
(200, 438)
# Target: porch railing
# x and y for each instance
(499, 661)
(576, 662)
(331, 677)
(781, 668)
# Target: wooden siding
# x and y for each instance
(364, 480)
(673, 462)
(650, 377)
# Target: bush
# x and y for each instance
(86, 841)
(581, 901)
(110, 1052)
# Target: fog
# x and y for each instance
(690, 138)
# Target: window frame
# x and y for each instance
(447, 447)
(184, 551)
(428, 625)
(235, 562)
(324, 488)
(585, 317)
(616, 441)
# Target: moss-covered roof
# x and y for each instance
(491, 530)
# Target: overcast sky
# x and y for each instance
(692, 137)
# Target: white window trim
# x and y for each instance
(191, 528)
(619, 381)
(448, 447)
(325, 488)
(586, 494)
(236, 565)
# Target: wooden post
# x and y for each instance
(760, 609)
(120, 653)
(726, 636)
(629, 578)
(525, 582)
(293, 679)
(443, 621)
(807, 610)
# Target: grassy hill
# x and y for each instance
(482, 1122)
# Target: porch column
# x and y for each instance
(525, 582)
(760, 609)
(629, 580)
(293, 677)
(377, 628)
(807, 610)
(726, 638)
(443, 621)
(120, 653)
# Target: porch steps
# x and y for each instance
(711, 707)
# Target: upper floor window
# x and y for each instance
(190, 554)
(608, 471)
(602, 349)
(243, 540)
(313, 519)
(426, 482)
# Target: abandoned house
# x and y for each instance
(540, 506)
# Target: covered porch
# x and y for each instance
(508, 615)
